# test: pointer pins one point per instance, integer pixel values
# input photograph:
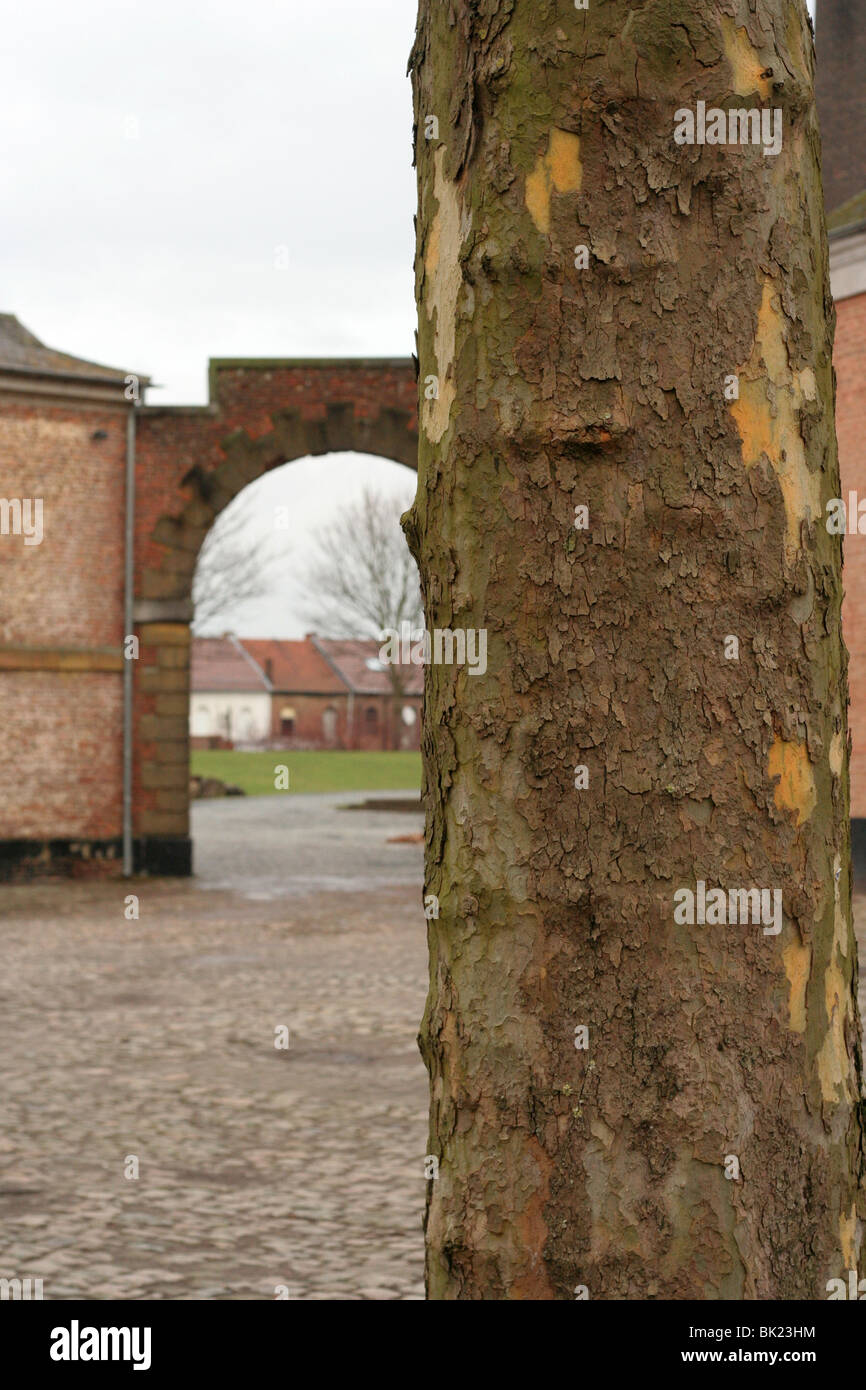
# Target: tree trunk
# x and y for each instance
(395, 704)
(702, 1137)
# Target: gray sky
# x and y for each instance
(155, 159)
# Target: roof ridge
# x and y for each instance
(238, 642)
(333, 665)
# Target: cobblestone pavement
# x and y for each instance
(258, 1167)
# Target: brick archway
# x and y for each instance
(190, 463)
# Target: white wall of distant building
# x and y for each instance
(244, 716)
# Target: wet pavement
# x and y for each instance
(304, 844)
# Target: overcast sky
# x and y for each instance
(155, 157)
(160, 163)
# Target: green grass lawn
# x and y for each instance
(312, 772)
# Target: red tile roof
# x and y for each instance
(296, 668)
(352, 658)
(218, 663)
(314, 666)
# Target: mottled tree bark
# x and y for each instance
(675, 380)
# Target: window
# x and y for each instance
(371, 716)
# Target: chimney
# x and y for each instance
(840, 89)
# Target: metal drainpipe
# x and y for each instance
(128, 603)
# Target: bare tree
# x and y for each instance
(361, 578)
(235, 566)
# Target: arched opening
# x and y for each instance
(271, 689)
(191, 465)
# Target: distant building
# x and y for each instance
(306, 696)
(229, 699)
(316, 693)
(378, 714)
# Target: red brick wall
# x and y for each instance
(308, 721)
(60, 732)
(68, 591)
(389, 730)
(60, 755)
(849, 360)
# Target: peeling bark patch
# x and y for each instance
(848, 1238)
(558, 170)
(767, 417)
(534, 1282)
(443, 281)
(745, 61)
(837, 753)
(797, 960)
(834, 1064)
(840, 925)
(795, 790)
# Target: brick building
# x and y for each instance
(379, 713)
(230, 702)
(63, 445)
(95, 609)
(314, 693)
